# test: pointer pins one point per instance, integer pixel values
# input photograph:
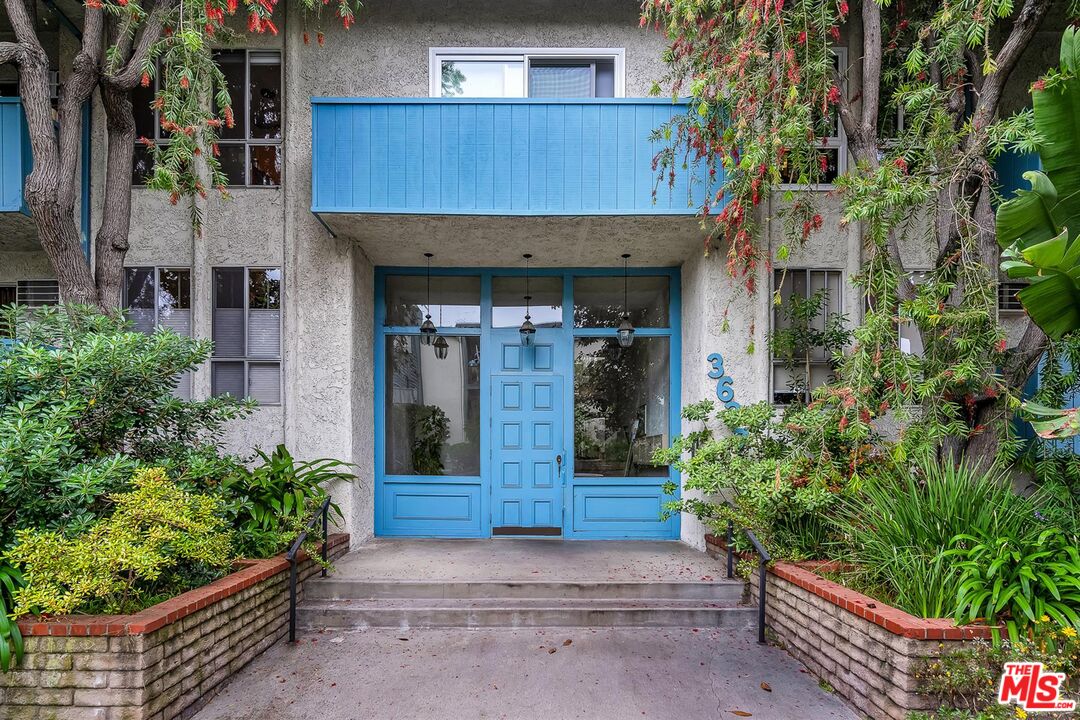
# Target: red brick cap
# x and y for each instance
(892, 619)
(167, 612)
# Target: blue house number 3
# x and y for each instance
(725, 390)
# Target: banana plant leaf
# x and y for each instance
(1052, 423)
(1038, 228)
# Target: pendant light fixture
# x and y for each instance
(427, 328)
(527, 330)
(442, 348)
(625, 332)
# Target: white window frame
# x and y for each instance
(773, 362)
(247, 360)
(437, 55)
(837, 142)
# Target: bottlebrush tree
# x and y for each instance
(768, 88)
(125, 43)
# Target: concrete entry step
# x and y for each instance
(517, 613)
(333, 588)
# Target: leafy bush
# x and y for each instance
(781, 490)
(1017, 579)
(896, 529)
(83, 403)
(271, 503)
(156, 533)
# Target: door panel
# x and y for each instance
(528, 458)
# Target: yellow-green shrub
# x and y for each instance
(155, 529)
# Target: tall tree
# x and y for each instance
(125, 43)
(769, 88)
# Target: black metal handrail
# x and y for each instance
(324, 511)
(763, 560)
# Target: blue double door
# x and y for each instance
(530, 444)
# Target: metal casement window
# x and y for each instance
(248, 157)
(156, 297)
(817, 369)
(834, 144)
(247, 333)
(593, 58)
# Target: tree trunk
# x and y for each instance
(111, 244)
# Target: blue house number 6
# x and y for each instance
(725, 390)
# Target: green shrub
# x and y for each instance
(897, 528)
(83, 403)
(156, 533)
(782, 491)
(270, 503)
(1017, 579)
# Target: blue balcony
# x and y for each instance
(14, 155)
(421, 156)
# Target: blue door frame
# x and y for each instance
(461, 506)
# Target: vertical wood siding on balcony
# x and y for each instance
(494, 157)
(14, 155)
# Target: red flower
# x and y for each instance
(184, 82)
(307, 38)
(801, 38)
(1039, 84)
(835, 32)
(145, 80)
(320, 38)
(901, 164)
(824, 162)
(1001, 345)
(843, 423)
(834, 95)
(843, 7)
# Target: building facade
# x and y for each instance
(479, 133)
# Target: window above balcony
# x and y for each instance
(526, 72)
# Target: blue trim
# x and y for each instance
(640, 490)
(315, 100)
(16, 160)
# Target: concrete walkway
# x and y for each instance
(525, 674)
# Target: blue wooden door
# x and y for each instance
(528, 456)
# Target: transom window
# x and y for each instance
(250, 151)
(526, 72)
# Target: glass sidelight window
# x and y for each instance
(247, 334)
(621, 406)
(432, 407)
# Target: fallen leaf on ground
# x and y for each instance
(766, 687)
(742, 713)
(566, 642)
(551, 650)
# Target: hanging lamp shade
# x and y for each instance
(625, 331)
(442, 348)
(427, 328)
(527, 331)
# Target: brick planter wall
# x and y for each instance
(162, 663)
(866, 650)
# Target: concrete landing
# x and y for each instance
(602, 674)
(517, 583)
(517, 560)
